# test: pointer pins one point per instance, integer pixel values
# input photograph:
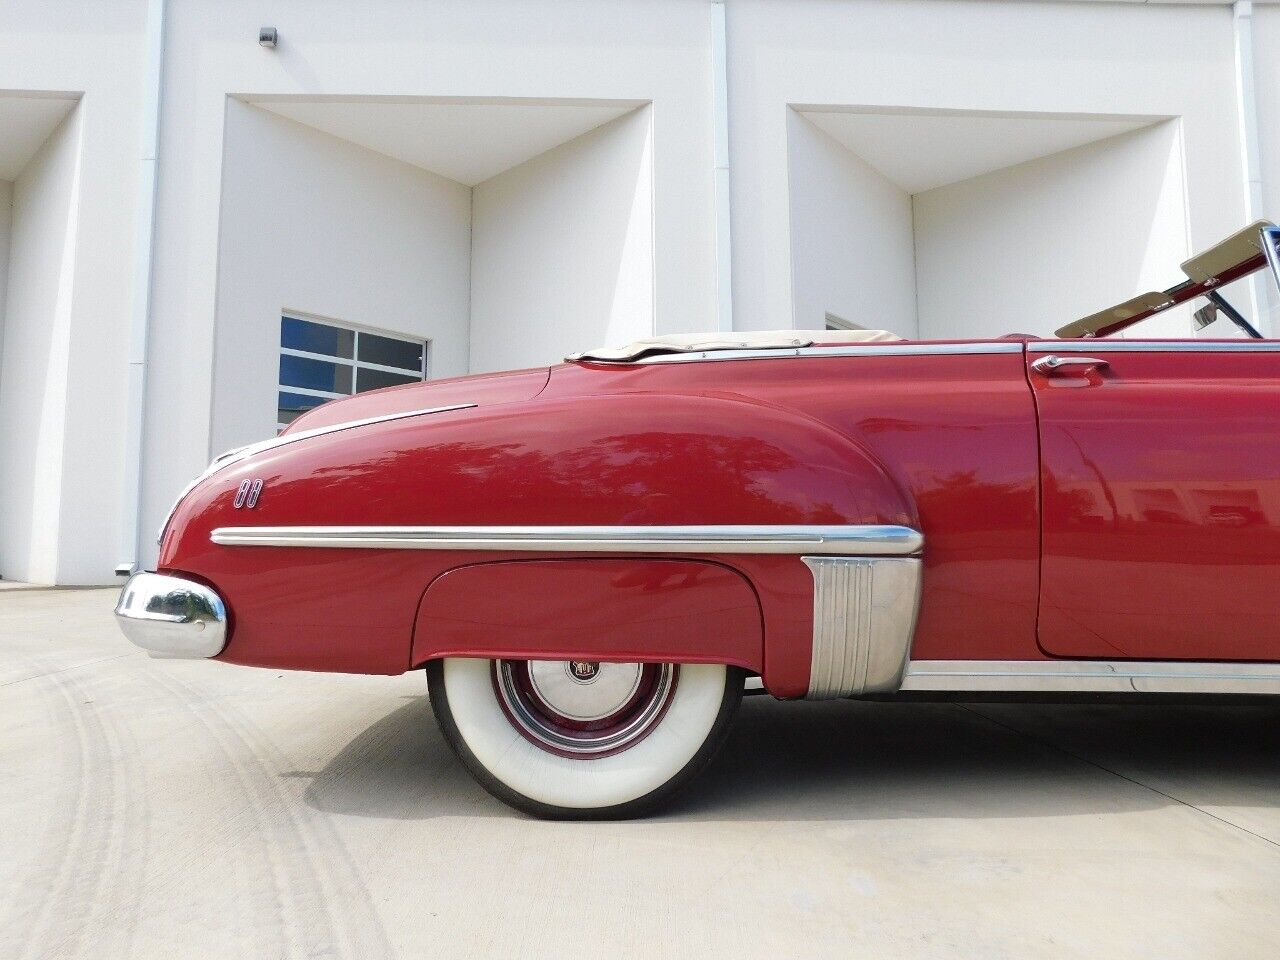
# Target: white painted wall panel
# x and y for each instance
(90, 51)
(315, 224)
(6, 229)
(562, 257)
(1073, 58)
(851, 238)
(34, 360)
(624, 50)
(1031, 247)
(1266, 64)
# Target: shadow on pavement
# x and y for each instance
(851, 761)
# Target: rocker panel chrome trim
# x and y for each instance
(859, 540)
(864, 616)
(1092, 676)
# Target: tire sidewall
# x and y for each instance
(621, 786)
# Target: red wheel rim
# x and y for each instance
(603, 708)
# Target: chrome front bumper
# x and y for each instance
(172, 617)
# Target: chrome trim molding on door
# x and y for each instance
(1153, 346)
(858, 540)
(1092, 676)
(864, 616)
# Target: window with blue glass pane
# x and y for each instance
(315, 374)
(322, 361)
(296, 334)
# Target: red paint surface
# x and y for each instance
(664, 459)
(945, 444)
(1162, 506)
(656, 611)
(953, 439)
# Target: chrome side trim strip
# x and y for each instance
(864, 616)
(1092, 676)
(1154, 346)
(863, 350)
(861, 540)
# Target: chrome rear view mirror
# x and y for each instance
(1204, 316)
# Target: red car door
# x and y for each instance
(1160, 492)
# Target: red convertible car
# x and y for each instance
(591, 561)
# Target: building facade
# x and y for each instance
(201, 235)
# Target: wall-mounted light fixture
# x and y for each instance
(267, 36)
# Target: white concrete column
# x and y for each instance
(1250, 152)
(131, 489)
(720, 134)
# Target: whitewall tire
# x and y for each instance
(583, 740)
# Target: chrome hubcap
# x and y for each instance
(583, 708)
(581, 690)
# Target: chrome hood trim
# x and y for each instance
(253, 449)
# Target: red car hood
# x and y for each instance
(480, 389)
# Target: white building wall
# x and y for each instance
(1266, 63)
(6, 229)
(803, 213)
(621, 50)
(315, 225)
(563, 257)
(34, 384)
(1029, 248)
(1068, 58)
(89, 51)
(852, 243)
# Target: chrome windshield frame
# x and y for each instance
(1271, 250)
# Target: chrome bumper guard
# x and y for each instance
(172, 617)
(864, 618)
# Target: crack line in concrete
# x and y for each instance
(1115, 773)
(74, 666)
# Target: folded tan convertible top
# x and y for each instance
(737, 340)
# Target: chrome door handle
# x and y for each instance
(1046, 365)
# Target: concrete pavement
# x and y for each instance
(188, 809)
